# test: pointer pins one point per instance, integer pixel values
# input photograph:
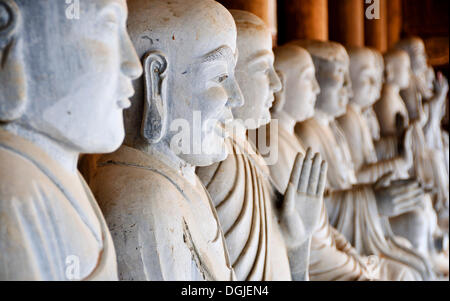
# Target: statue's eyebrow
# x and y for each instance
(222, 53)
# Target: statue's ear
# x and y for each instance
(12, 70)
(280, 96)
(154, 121)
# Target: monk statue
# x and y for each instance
(59, 97)
(358, 210)
(332, 257)
(267, 230)
(368, 113)
(418, 225)
(425, 99)
(161, 217)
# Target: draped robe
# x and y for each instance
(423, 221)
(50, 227)
(332, 257)
(352, 208)
(242, 196)
(163, 226)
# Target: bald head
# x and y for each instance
(188, 49)
(254, 71)
(415, 48)
(398, 67)
(364, 74)
(300, 88)
(332, 72)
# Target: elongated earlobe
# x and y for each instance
(13, 89)
(154, 121)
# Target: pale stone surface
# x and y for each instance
(332, 257)
(419, 225)
(162, 220)
(354, 208)
(59, 98)
(425, 99)
(266, 241)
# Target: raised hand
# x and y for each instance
(406, 147)
(303, 200)
(399, 197)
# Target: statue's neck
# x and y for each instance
(239, 130)
(323, 118)
(356, 106)
(391, 89)
(165, 154)
(285, 121)
(61, 153)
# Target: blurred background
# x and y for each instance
(346, 22)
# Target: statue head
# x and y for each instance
(332, 72)
(300, 88)
(188, 51)
(379, 60)
(364, 74)
(397, 68)
(68, 79)
(254, 71)
(415, 47)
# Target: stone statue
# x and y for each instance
(359, 211)
(332, 257)
(425, 98)
(366, 90)
(267, 231)
(161, 217)
(417, 225)
(63, 87)
(368, 113)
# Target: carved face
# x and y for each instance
(399, 71)
(79, 72)
(256, 75)
(365, 77)
(206, 92)
(301, 88)
(335, 87)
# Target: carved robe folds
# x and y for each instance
(163, 227)
(243, 199)
(332, 257)
(353, 209)
(36, 194)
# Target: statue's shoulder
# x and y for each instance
(19, 176)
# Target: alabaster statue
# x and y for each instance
(359, 211)
(332, 257)
(368, 113)
(418, 225)
(425, 98)
(161, 217)
(364, 75)
(267, 231)
(59, 97)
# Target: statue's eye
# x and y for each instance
(222, 78)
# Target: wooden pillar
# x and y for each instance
(395, 21)
(265, 9)
(376, 30)
(303, 19)
(346, 22)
